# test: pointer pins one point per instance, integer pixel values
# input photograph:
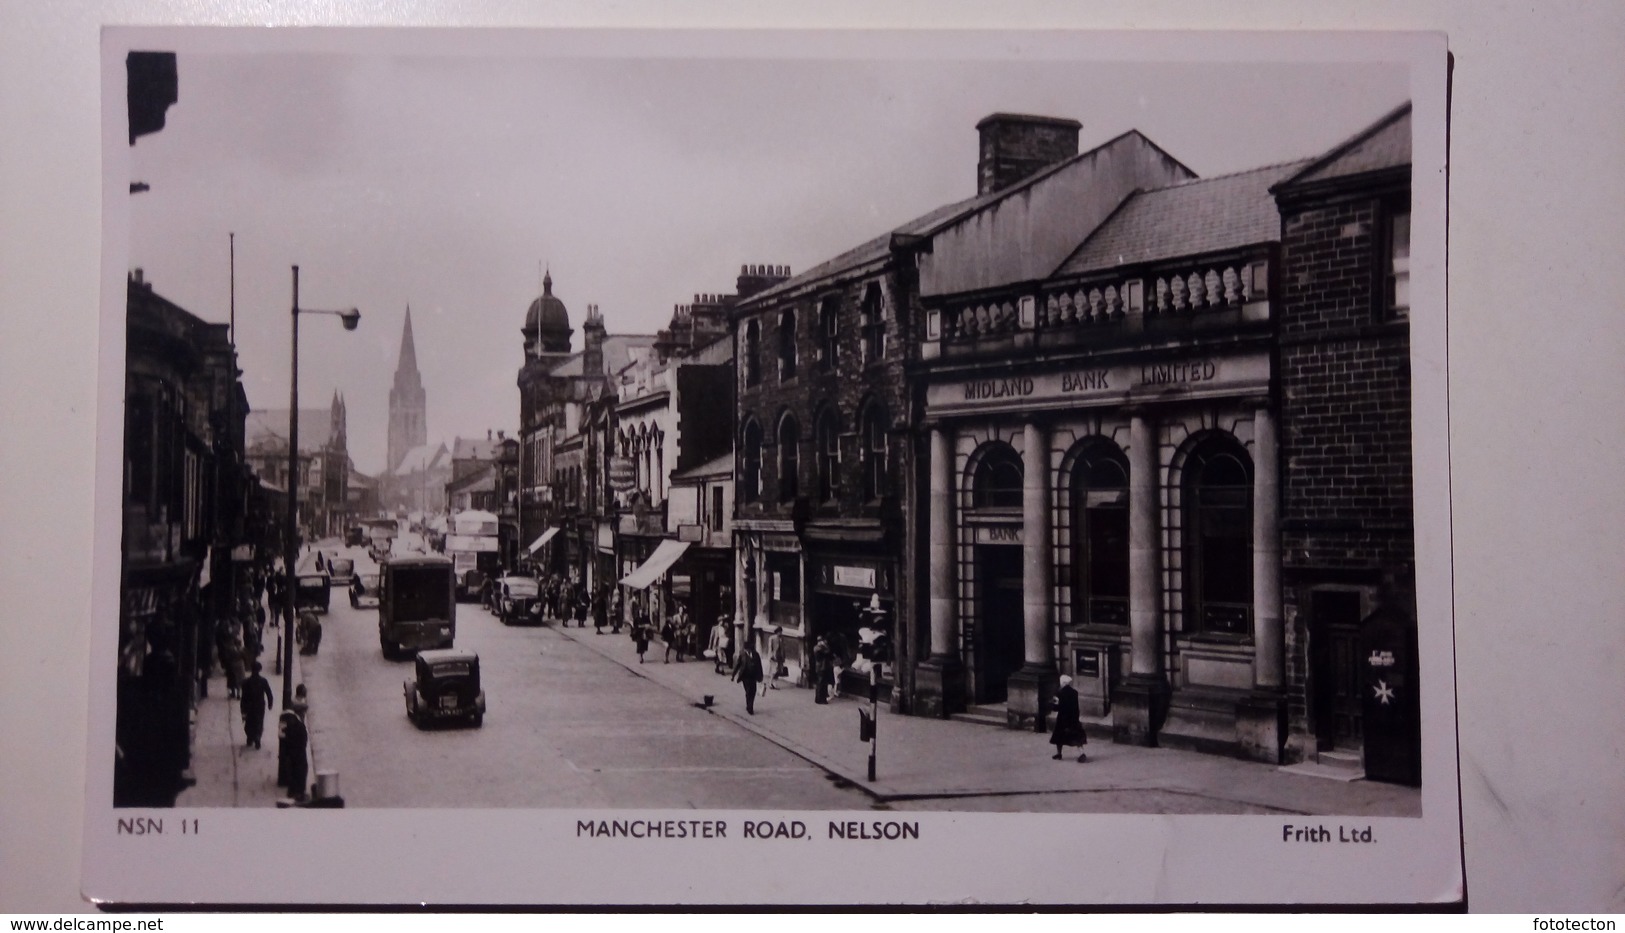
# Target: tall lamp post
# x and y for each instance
(290, 539)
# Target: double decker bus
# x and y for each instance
(471, 543)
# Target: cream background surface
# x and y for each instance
(1537, 219)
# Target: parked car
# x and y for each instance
(355, 536)
(518, 600)
(446, 689)
(364, 591)
(341, 570)
(312, 591)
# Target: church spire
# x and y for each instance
(409, 354)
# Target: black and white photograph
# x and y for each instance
(1008, 466)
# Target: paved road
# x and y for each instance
(564, 728)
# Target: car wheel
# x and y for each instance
(478, 719)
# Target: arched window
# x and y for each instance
(828, 325)
(1100, 536)
(787, 344)
(751, 353)
(876, 482)
(1218, 507)
(751, 466)
(998, 479)
(789, 458)
(829, 454)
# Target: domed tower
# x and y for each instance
(547, 324)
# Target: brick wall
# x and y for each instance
(1344, 375)
(847, 386)
(1345, 397)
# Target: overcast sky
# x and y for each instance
(444, 183)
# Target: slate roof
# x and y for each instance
(1202, 216)
(880, 247)
(475, 448)
(617, 355)
(424, 458)
(1382, 145)
(721, 466)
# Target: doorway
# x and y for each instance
(1334, 638)
(999, 642)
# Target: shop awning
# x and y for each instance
(539, 542)
(656, 566)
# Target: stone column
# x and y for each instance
(1140, 701)
(1261, 717)
(940, 678)
(1032, 687)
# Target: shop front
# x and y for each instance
(849, 590)
(1113, 521)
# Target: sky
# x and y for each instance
(449, 182)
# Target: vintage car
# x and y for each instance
(364, 591)
(447, 688)
(518, 600)
(355, 536)
(341, 570)
(312, 591)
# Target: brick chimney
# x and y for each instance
(753, 279)
(1015, 145)
(592, 343)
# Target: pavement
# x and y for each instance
(227, 773)
(933, 760)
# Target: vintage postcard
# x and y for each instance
(772, 468)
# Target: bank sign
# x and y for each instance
(1170, 380)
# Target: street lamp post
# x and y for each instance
(290, 540)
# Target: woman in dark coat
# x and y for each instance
(1068, 723)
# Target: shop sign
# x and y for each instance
(858, 577)
(1197, 377)
(780, 543)
(997, 534)
(693, 534)
(623, 473)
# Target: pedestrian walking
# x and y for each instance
(640, 636)
(583, 606)
(231, 658)
(839, 660)
(294, 765)
(749, 673)
(1068, 723)
(713, 646)
(821, 670)
(256, 699)
(668, 637)
(775, 656)
(597, 610)
(726, 623)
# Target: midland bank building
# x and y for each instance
(1163, 446)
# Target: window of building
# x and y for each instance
(751, 353)
(829, 455)
(828, 324)
(716, 508)
(874, 326)
(751, 480)
(1218, 496)
(1397, 284)
(1100, 537)
(997, 484)
(789, 458)
(875, 480)
(787, 344)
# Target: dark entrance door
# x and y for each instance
(1334, 637)
(998, 621)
